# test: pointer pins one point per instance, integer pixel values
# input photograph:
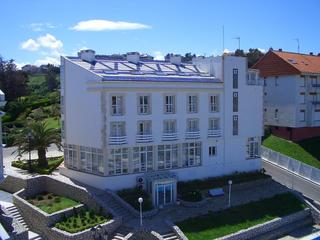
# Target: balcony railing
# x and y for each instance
(316, 85)
(193, 135)
(144, 138)
(117, 140)
(169, 136)
(214, 133)
(315, 102)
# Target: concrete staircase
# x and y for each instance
(14, 212)
(170, 236)
(120, 233)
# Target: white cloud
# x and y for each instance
(102, 25)
(226, 50)
(20, 65)
(158, 55)
(49, 41)
(262, 50)
(30, 45)
(38, 27)
(46, 60)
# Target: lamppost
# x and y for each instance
(229, 202)
(98, 233)
(29, 136)
(140, 200)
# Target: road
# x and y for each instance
(292, 180)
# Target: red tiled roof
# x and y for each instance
(276, 63)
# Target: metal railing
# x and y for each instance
(193, 135)
(291, 164)
(117, 140)
(214, 133)
(169, 136)
(144, 138)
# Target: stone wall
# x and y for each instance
(176, 230)
(12, 184)
(268, 227)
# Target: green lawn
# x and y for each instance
(214, 225)
(53, 122)
(50, 203)
(81, 221)
(131, 196)
(36, 79)
(53, 163)
(306, 151)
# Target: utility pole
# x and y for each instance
(238, 38)
(298, 42)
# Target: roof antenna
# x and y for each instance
(298, 42)
(238, 38)
(222, 39)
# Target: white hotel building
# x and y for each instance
(134, 119)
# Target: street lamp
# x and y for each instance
(29, 136)
(230, 183)
(140, 200)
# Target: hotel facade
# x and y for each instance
(132, 121)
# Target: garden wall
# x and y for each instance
(12, 184)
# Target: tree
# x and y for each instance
(41, 138)
(51, 78)
(254, 55)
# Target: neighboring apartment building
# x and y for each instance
(291, 93)
(138, 121)
(2, 103)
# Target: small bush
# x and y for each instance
(40, 197)
(57, 199)
(191, 196)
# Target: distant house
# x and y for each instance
(2, 103)
(30, 68)
(291, 93)
(136, 121)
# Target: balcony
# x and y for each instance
(315, 85)
(144, 138)
(117, 140)
(214, 133)
(169, 136)
(315, 102)
(253, 77)
(193, 135)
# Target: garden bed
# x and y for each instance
(50, 203)
(218, 224)
(82, 220)
(131, 196)
(53, 163)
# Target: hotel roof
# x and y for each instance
(111, 69)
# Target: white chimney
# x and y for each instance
(87, 55)
(175, 59)
(133, 57)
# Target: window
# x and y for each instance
(264, 81)
(302, 116)
(144, 106)
(214, 103)
(302, 98)
(235, 78)
(144, 127)
(214, 123)
(303, 81)
(169, 104)
(253, 145)
(85, 159)
(235, 125)
(235, 102)
(276, 113)
(192, 104)
(192, 125)
(91, 160)
(276, 83)
(71, 156)
(118, 161)
(191, 154)
(117, 105)
(212, 151)
(170, 126)
(142, 159)
(167, 156)
(118, 129)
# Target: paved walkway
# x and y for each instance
(306, 233)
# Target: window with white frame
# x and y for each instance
(191, 154)
(167, 156)
(302, 97)
(142, 160)
(235, 101)
(253, 145)
(144, 127)
(170, 126)
(212, 151)
(235, 125)
(71, 155)
(97, 161)
(192, 125)
(118, 161)
(235, 74)
(302, 81)
(302, 115)
(117, 105)
(118, 129)
(276, 111)
(169, 104)
(214, 103)
(276, 83)
(214, 123)
(91, 160)
(144, 105)
(192, 104)
(85, 159)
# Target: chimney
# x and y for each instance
(311, 53)
(318, 54)
(87, 55)
(280, 49)
(133, 57)
(270, 49)
(175, 59)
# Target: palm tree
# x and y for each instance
(37, 136)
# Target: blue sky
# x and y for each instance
(37, 31)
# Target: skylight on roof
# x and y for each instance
(293, 61)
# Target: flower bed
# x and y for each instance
(53, 163)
